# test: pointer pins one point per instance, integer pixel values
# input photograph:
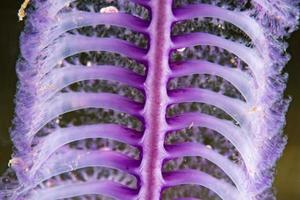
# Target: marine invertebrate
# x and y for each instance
(159, 99)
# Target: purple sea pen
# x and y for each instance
(159, 99)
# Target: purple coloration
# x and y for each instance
(161, 100)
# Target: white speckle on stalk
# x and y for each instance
(233, 61)
(68, 4)
(180, 49)
(221, 26)
(105, 149)
(89, 64)
(60, 63)
(50, 183)
(191, 125)
(208, 146)
(109, 9)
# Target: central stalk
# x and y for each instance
(156, 101)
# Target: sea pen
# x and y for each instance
(160, 99)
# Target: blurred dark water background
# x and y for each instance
(287, 180)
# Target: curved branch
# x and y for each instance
(235, 172)
(195, 177)
(106, 188)
(235, 108)
(69, 160)
(64, 136)
(67, 102)
(240, 80)
(59, 78)
(77, 19)
(71, 45)
(239, 19)
(56, 5)
(248, 55)
(239, 137)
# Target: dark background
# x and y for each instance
(288, 170)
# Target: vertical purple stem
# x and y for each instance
(155, 107)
